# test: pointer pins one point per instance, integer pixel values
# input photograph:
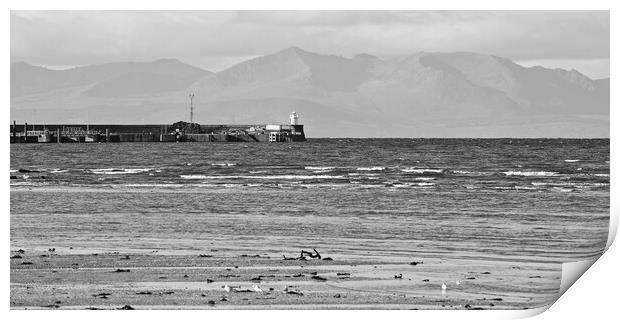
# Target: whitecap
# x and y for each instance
(120, 170)
(371, 168)
(525, 188)
(530, 173)
(425, 184)
(572, 160)
(461, 172)
(319, 168)
(153, 185)
(421, 170)
(223, 164)
(424, 178)
(193, 176)
(274, 177)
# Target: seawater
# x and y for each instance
(522, 199)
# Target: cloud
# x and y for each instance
(214, 38)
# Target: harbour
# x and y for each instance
(177, 132)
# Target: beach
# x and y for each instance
(111, 280)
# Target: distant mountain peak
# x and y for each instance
(168, 61)
(366, 57)
(26, 66)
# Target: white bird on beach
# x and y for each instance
(444, 287)
(256, 288)
(285, 289)
(226, 288)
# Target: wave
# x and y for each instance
(119, 170)
(193, 176)
(461, 172)
(154, 185)
(535, 183)
(319, 168)
(370, 168)
(425, 184)
(28, 183)
(601, 174)
(275, 177)
(421, 170)
(572, 160)
(223, 164)
(525, 188)
(424, 178)
(471, 173)
(530, 173)
(58, 171)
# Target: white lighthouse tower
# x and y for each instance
(294, 118)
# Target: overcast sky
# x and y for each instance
(215, 40)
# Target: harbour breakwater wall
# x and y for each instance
(80, 133)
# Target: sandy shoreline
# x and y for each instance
(48, 280)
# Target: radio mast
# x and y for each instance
(191, 107)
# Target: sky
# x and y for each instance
(215, 40)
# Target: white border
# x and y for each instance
(593, 295)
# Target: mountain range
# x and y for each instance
(426, 94)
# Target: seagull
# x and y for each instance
(256, 288)
(227, 288)
(285, 289)
(444, 287)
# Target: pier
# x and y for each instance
(178, 132)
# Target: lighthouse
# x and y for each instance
(294, 118)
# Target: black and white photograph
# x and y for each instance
(305, 159)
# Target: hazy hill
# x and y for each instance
(107, 80)
(423, 94)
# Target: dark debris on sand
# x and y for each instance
(126, 307)
(319, 278)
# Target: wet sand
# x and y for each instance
(62, 279)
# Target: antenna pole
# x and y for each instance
(191, 107)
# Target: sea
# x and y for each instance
(504, 199)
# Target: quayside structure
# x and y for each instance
(177, 132)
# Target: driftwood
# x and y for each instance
(304, 255)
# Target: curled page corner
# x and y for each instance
(571, 271)
(613, 228)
